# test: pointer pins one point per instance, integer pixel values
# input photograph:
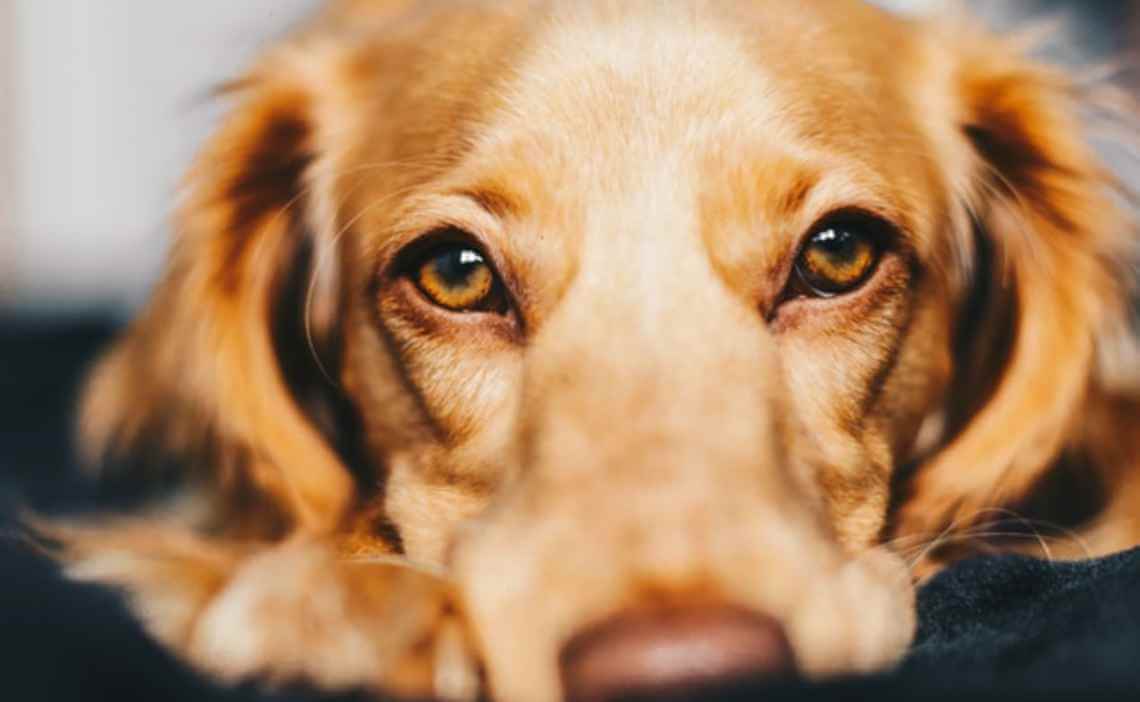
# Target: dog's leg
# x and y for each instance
(299, 610)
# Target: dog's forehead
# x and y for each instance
(596, 85)
(652, 74)
(729, 100)
(607, 88)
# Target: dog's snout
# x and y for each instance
(672, 652)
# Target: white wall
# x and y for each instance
(7, 238)
(105, 102)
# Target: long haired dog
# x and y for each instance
(576, 348)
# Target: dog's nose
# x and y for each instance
(672, 652)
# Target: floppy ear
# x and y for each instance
(216, 375)
(1050, 224)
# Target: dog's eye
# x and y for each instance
(837, 258)
(458, 278)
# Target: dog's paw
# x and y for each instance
(859, 619)
(302, 612)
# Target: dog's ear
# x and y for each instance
(216, 373)
(1048, 246)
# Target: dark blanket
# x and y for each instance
(1002, 628)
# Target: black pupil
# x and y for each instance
(837, 244)
(455, 267)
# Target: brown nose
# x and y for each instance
(672, 652)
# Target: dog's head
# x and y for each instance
(619, 305)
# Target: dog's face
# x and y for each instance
(657, 255)
(629, 305)
(671, 331)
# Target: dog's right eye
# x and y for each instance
(459, 278)
(839, 256)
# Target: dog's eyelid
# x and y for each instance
(471, 211)
(437, 237)
(424, 230)
(878, 223)
(423, 215)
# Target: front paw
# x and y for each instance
(301, 611)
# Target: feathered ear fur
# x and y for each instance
(219, 373)
(1050, 286)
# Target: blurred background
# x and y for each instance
(102, 105)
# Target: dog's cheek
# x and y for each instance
(859, 402)
(428, 507)
(916, 388)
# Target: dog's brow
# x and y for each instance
(496, 202)
(796, 194)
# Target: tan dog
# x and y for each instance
(587, 345)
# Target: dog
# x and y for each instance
(580, 348)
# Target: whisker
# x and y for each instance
(914, 548)
(979, 539)
(991, 530)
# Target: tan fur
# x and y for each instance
(399, 496)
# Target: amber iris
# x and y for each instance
(457, 278)
(837, 259)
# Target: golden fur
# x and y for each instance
(382, 493)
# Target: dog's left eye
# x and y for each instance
(837, 258)
(458, 278)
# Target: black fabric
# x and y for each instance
(999, 628)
